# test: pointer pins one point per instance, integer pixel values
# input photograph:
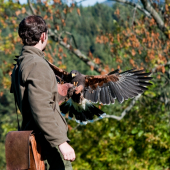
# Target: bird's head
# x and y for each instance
(74, 73)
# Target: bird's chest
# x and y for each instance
(78, 81)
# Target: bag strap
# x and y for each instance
(15, 98)
(19, 128)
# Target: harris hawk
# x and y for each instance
(99, 88)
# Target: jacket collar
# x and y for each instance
(31, 50)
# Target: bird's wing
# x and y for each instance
(106, 88)
(61, 75)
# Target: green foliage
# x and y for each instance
(139, 141)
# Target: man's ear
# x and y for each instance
(43, 36)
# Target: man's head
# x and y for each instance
(33, 30)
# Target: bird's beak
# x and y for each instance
(73, 75)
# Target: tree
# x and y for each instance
(142, 41)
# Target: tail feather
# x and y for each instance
(83, 112)
(65, 107)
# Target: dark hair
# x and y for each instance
(31, 28)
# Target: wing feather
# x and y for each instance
(122, 86)
(131, 88)
(107, 97)
(112, 100)
(123, 92)
(61, 74)
(96, 95)
(113, 86)
(102, 96)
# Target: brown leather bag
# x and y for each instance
(23, 152)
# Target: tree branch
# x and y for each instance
(134, 5)
(134, 13)
(31, 7)
(75, 51)
(81, 56)
(149, 11)
(68, 33)
(154, 14)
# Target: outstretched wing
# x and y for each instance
(106, 88)
(61, 75)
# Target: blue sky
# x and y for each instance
(84, 3)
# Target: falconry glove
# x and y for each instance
(65, 91)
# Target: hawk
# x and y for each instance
(103, 89)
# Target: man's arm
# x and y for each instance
(40, 82)
(40, 99)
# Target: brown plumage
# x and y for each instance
(106, 88)
(95, 81)
(60, 74)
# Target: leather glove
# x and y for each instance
(65, 91)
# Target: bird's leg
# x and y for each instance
(75, 83)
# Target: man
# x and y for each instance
(37, 94)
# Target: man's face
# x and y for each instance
(45, 41)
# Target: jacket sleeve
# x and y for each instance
(40, 82)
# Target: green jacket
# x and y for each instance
(35, 86)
